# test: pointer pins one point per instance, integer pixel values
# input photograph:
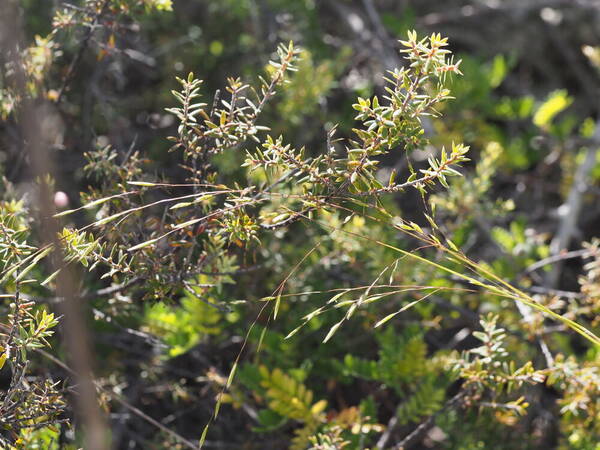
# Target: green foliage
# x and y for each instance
(403, 366)
(426, 399)
(579, 406)
(310, 85)
(183, 326)
(289, 398)
(554, 104)
(488, 365)
(402, 359)
(35, 403)
(217, 218)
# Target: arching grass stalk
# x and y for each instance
(487, 280)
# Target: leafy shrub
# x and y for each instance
(301, 256)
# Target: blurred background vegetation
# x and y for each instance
(528, 105)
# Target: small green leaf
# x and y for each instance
(218, 406)
(386, 318)
(295, 330)
(332, 331)
(276, 308)
(260, 340)
(337, 296)
(232, 374)
(143, 245)
(50, 278)
(554, 104)
(181, 205)
(142, 183)
(203, 437)
(110, 218)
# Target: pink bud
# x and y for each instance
(61, 200)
